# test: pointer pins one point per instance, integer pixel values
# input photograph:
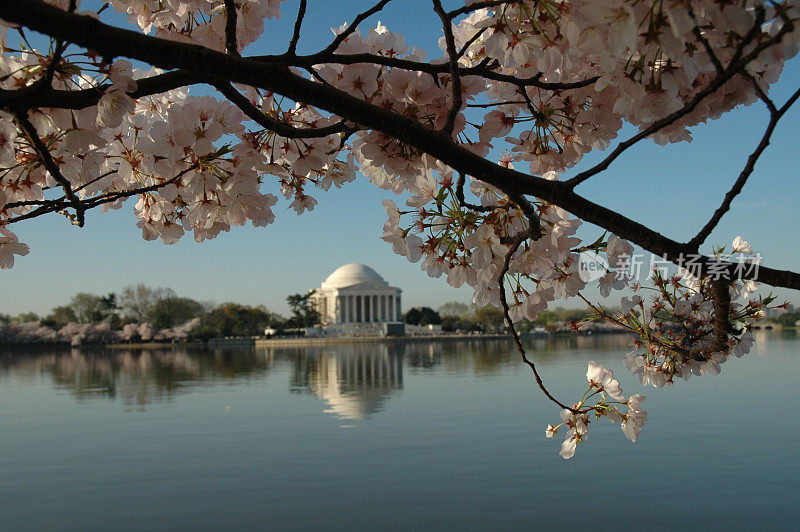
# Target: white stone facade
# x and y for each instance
(354, 298)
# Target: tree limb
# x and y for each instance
(231, 46)
(50, 164)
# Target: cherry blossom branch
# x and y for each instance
(56, 205)
(450, 44)
(484, 69)
(113, 42)
(52, 167)
(534, 224)
(706, 45)
(281, 128)
(474, 6)
(96, 179)
(775, 116)
(494, 104)
(720, 289)
(734, 68)
(518, 240)
(110, 197)
(48, 207)
(230, 27)
(469, 42)
(48, 97)
(463, 202)
(354, 26)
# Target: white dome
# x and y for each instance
(352, 274)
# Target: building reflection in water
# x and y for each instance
(355, 381)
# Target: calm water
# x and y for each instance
(423, 435)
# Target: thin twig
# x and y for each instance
(479, 5)
(462, 201)
(298, 23)
(281, 128)
(501, 281)
(746, 171)
(352, 27)
(470, 42)
(450, 44)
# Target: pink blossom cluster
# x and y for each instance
(26, 332)
(19, 332)
(146, 331)
(199, 21)
(603, 398)
(471, 247)
(673, 319)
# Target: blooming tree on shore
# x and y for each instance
(545, 81)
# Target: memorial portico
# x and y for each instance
(355, 295)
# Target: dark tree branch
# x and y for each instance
(698, 35)
(56, 205)
(721, 297)
(48, 97)
(534, 224)
(281, 128)
(775, 116)
(110, 197)
(231, 16)
(348, 31)
(494, 104)
(485, 69)
(298, 24)
(52, 167)
(463, 202)
(470, 42)
(48, 207)
(450, 43)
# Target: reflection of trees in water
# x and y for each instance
(355, 379)
(548, 347)
(136, 376)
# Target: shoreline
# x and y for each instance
(256, 342)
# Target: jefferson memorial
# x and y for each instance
(354, 298)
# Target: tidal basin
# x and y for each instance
(415, 434)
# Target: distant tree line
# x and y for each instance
(786, 319)
(139, 312)
(456, 316)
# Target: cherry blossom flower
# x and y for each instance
(603, 379)
(10, 246)
(740, 246)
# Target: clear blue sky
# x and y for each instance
(673, 190)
